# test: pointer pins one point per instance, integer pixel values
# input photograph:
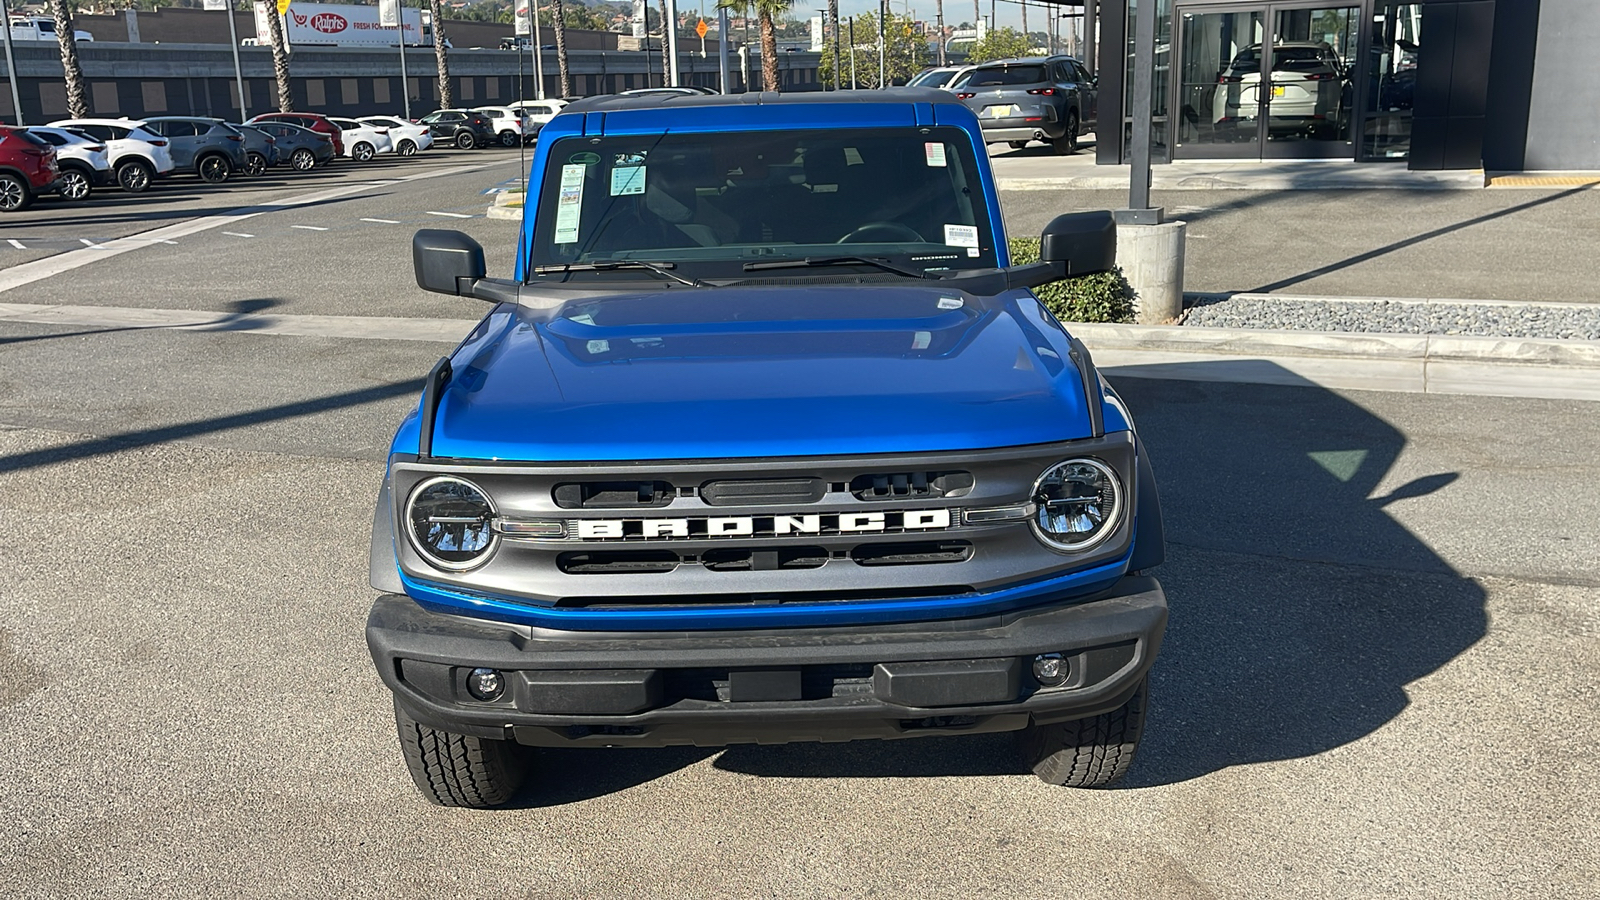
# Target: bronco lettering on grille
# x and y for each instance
(763, 526)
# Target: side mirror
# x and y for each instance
(447, 262)
(1083, 242)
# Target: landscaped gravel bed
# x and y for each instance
(1388, 317)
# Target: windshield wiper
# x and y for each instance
(660, 268)
(832, 261)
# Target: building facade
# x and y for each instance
(1434, 84)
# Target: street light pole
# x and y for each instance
(883, 57)
(852, 53)
(722, 46)
(238, 70)
(538, 55)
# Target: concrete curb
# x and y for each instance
(1031, 175)
(1192, 298)
(1425, 364)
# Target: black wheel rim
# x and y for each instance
(214, 169)
(508, 139)
(255, 165)
(408, 148)
(74, 186)
(464, 142)
(12, 194)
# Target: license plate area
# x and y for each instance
(1001, 111)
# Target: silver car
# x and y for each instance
(1037, 98)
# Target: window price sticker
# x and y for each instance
(569, 204)
(626, 181)
(961, 235)
(935, 153)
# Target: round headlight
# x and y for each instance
(1079, 502)
(449, 520)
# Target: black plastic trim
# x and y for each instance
(1092, 395)
(432, 393)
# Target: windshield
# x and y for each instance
(714, 203)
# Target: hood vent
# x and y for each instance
(911, 485)
(920, 553)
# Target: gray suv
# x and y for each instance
(1038, 98)
(209, 148)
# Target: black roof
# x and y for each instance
(618, 102)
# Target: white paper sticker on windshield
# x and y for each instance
(569, 204)
(950, 303)
(935, 154)
(972, 251)
(961, 235)
(921, 340)
(852, 156)
(627, 180)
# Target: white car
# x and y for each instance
(362, 142)
(539, 112)
(407, 137)
(137, 156)
(1309, 90)
(939, 76)
(83, 161)
(510, 124)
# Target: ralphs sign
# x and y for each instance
(339, 25)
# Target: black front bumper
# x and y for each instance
(771, 686)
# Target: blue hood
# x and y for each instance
(816, 370)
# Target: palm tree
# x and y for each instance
(77, 93)
(833, 19)
(280, 61)
(558, 14)
(767, 9)
(666, 45)
(436, 13)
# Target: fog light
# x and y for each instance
(1049, 668)
(487, 685)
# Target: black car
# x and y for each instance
(1039, 98)
(462, 127)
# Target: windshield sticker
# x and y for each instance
(632, 158)
(950, 303)
(935, 153)
(921, 340)
(852, 156)
(627, 181)
(972, 251)
(824, 189)
(584, 159)
(569, 204)
(961, 235)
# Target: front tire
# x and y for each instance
(1087, 753)
(466, 141)
(460, 770)
(134, 176)
(363, 152)
(303, 160)
(74, 185)
(213, 169)
(15, 194)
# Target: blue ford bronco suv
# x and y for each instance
(766, 441)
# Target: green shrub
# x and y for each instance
(1102, 297)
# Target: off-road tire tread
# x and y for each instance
(460, 770)
(1087, 753)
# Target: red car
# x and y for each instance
(315, 121)
(27, 168)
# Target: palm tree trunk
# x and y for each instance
(769, 53)
(77, 93)
(280, 60)
(447, 97)
(666, 65)
(833, 17)
(558, 13)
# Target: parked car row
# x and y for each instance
(74, 157)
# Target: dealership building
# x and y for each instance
(1505, 85)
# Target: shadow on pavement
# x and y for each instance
(234, 319)
(1300, 609)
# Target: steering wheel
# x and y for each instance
(881, 233)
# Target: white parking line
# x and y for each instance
(309, 227)
(29, 272)
(382, 221)
(87, 243)
(238, 234)
(450, 214)
(15, 243)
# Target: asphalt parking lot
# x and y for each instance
(1379, 678)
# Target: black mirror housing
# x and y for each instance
(447, 262)
(1085, 242)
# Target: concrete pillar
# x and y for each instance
(1151, 257)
